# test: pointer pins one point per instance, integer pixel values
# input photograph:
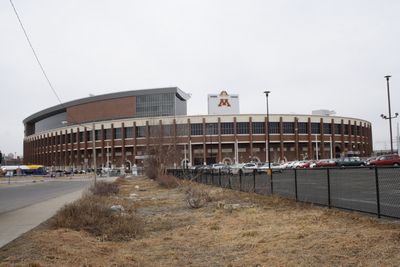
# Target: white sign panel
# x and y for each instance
(223, 104)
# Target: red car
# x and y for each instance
(325, 163)
(386, 160)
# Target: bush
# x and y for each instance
(151, 169)
(167, 181)
(104, 189)
(93, 215)
(196, 198)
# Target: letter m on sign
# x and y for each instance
(224, 103)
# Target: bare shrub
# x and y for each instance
(93, 215)
(167, 181)
(151, 169)
(196, 198)
(104, 189)
(120, 180)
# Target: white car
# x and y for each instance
(218, 166)
(249, 167)
(275, 167)
(235, 168)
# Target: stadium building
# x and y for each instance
(126, 123)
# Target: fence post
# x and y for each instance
(328, 177)
(254, 181)
(378, 202)
(295, 183)
(229, 179)
(272, 183)
(219, 178)
(240, 181)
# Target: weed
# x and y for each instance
(104, 189)
(167, 181)
(196, 198)
(92, 214)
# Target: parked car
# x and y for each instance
(386, 160)
(218, 166)
(350, 162)
(325, 163)
(275, 167)
(248, 168)
(290, 164)
(303, 164)
(235, 168)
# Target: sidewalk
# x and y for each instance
(15, 223)
(23, 180)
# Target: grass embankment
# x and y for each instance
(228, 229)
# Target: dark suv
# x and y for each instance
(386, 160)
(350, 161)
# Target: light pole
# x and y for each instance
(268, 143)
(209, 129)
(94, 153)
(390, 114)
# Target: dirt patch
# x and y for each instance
(232, 229)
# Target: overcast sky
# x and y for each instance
(310, 54)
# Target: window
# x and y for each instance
(227, 128)
(168, 130)
(89, 135)
(358, 130)
(302, 127)
(182, 129)
(117, 133)
(242, 128)
(258, 128)
(97, 135)
(353, 130)
(140, 131)
(74, 135)
(81, 137)
(155, 105)
(212, 128)
(338, 128)
(196, 129)
(346, 129)
(327, 128)
(288, 127)
(315, 128)
(128, 132)
(274, 128)
(107, 134)
(155, 130)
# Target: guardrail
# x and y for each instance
(373, 190)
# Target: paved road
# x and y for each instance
(24, 207)
(13, 198)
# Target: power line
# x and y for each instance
(40, 64)
(34, 53)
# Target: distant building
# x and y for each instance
(61, 136)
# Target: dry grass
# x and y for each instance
(93, 215)
(104, 188)
(264, 231)
(167, 181)
(196, 197)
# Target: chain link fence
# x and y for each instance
(373, 190)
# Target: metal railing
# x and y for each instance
(374, 190)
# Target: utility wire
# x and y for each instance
(40, 64)
(34, 53)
